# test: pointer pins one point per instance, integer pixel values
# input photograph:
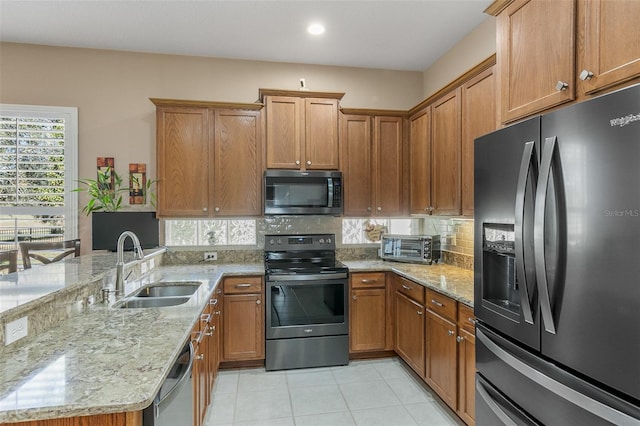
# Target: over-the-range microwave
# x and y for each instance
(410, 248)
(293, 192)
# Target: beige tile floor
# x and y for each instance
(364, 393)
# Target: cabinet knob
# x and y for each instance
(419, 312)
(297, 162)
(561, 85)
(379, 209)
(368, 209)
(431, 208)
(308, 162)
(459, 339)
(451, 332)
(204, 209)
(355, 297)
(200, 357)
(258, 302)
(217, 209)
(586, 75)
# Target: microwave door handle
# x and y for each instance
(539, 234)
(330, 192)
(528, 157)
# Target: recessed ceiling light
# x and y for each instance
(315, 29)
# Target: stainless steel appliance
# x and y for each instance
(307, 310)
(293, 192)
(557, 231)
(410, 248)
(173, 405)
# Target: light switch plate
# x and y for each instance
(16, 330)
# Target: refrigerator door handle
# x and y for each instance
(539, 233)
(597, 408)
(495, 408)
(528, 157)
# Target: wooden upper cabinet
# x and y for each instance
(183, 155)
(209, 158)
(355, 146)
(237, 188)
(536, 56)
(420, 162)
(445, 158)
(387, 163)
(478, 118)
(302, 130)
(611, 50)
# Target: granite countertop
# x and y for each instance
(105, 360)
(452, 281)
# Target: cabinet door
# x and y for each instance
(611, 42)
(442, 358)
(284, 132)
(478, 118)
(237, 177)
(445, 159)
(321, 134)
(466, 376)
(355, 145)
(199, 379)
(243, 324)
(535, 50)
(183, 162)
(410, 332)
(367, 320)
(420, 162)
(387, 163)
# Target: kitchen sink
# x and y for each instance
(151, 302)
(168, 289)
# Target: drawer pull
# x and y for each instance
(459, 339)
(258, 302)
(435, 302)
(406, 287)
(243, 285)
(419, 312)
(205, 317)
(451, 332)
(368, 281)
(213, 302)
(472, 320)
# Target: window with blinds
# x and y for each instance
(38, 170)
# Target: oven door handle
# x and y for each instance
(307, 277)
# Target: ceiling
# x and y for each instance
(384, 34)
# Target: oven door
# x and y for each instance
(306, 306)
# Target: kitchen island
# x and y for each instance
(104, 360)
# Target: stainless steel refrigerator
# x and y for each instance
(557, 267)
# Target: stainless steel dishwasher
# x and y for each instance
(173, 405)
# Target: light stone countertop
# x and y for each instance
(452, 281)
(108, 360)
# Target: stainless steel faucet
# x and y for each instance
(137, 254)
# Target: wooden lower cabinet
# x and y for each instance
(410, 332)
(369, 316)
(133, 418)
(199, 376)
(441, 358)
(243, 319)
(466, 376)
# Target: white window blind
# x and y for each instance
(38, 170)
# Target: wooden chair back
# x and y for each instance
(8, 261)
(48, 252)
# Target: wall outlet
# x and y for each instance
(211, 255)
(16, 330)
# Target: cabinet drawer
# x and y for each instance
(466, 319)
(442, 305)
(235, 285)
(368, 280)
(411, 289)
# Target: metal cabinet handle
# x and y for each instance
(406, 287)
(297, 162)
(419, 312)
(368, 209)
(379, 209)
(459, 339)
(435, 302)
(586, 75)
(258, 302)
(217, 209)
(355, 297)
(213, 302)
(217, 312)
(472, 320)
(561, 85)
(200, 357)
(204, 209)
(308, 162)
(451, 332)
(243, 285)
(368, 281)
(205, 317)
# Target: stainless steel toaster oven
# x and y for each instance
(411, 248)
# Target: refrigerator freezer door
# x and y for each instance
(594, 292)
(547, 393)
(505, 175)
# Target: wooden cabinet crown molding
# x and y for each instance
(205, 104)
(484, 65)
(298, 93)
(497, 6)
(372, 112)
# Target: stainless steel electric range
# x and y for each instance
(307, 315)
